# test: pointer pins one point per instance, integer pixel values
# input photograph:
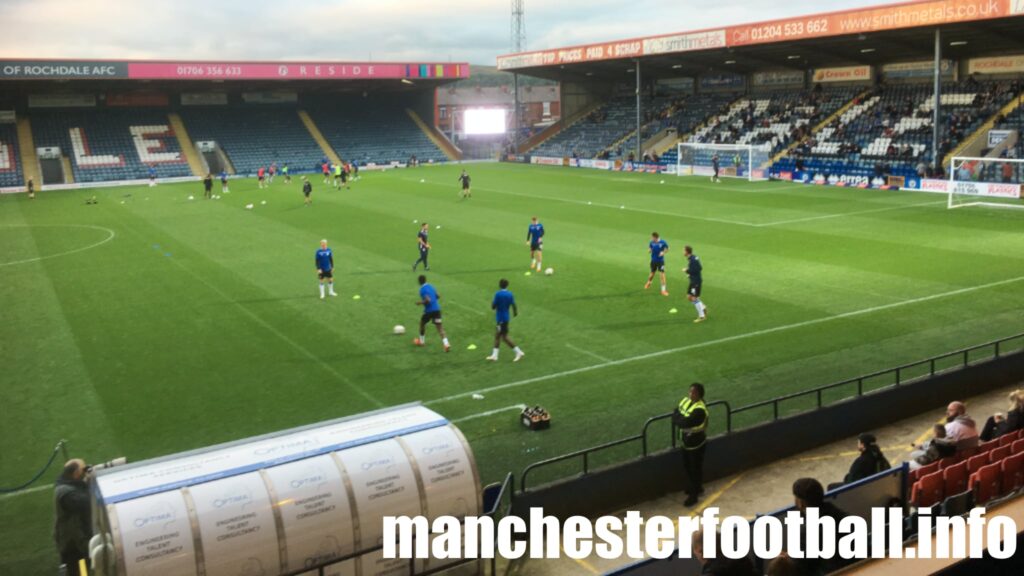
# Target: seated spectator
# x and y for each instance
(960, 428)
(783, 565)
(719, 565)
(871, 461)
(998, 424)
(933, 450)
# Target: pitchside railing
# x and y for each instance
(813, 399)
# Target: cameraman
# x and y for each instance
(72, 525)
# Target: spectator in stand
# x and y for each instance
(783, 565)
(937, 448)
(719, 565)
(1007, 172)
(72, 526)
(998, 424)
(960, 428)
(922, 169)
(808, 493)
(871, 461)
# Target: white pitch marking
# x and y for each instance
(842, 214)
(587, 353)
(727, 339)
(519, 407)
(26, 491)
(75, 251)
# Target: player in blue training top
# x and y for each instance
(424, 247)
(224, 182)
(658, 248)
(430, 300)
(325, 268)
(503, 302)
(535, 240)
(715, 166)
(693, 270)
(152, 175)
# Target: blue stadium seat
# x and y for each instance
(11, 174)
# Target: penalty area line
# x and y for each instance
(727, 339)
(519, 407)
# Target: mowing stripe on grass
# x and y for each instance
(284, 338)
(728, 339)
(26, 491)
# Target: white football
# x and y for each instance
(422, 180)
(398, 330)
(248, 206)
(549, 271)
(263, 203)
(662, 182)
(191, 197)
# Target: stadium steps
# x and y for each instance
(188, 149)
(69, 174)
(318, 136)
(439, 140)
(27, 148)
(824, 123)
(979, 138)
(620, 142)
(554, 129)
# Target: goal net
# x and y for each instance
(993, 182)
(734, 160)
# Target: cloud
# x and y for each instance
(459, 30)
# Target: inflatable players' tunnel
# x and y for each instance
(285, 502)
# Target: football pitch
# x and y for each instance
(149, 324)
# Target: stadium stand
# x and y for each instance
(255, 135)
(109, 144)
(772, 120)
(377, 130)
(10, 165)
(602, 131)
(890, 131)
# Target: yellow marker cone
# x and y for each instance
(356, 296)
(673, 311)
(471, 347)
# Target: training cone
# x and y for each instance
(356, 296)
(471, 347)
(527, 273)
(673, 311)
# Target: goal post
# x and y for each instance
(734, 160)
(991, 182)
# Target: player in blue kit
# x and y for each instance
(535, 240)
(430, 300)
(658, 248)
(423, 246)
(694, 271)
(504, 303)
(325, 268)
(715, 167)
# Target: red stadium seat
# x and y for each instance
(966, 453)
(985, 483)
(986, 446)
(1017, 447)
(974, 463)
(916, 475)
(1007, 439)
(998, 454)
(1013, 472)
(928, 490)
(955, 478)
(948, 461)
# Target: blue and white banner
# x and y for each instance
(722, 82)
(779, 78)
(923, 69)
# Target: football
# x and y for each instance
(549, 271)
(398, 330)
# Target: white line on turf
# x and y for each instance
(727, 339)
(855, 213)
(270, 328)
(110, 236)
(26, 491)
(587, 353)
(519, 407)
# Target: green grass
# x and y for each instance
(198, 322)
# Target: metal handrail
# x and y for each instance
(898, 373)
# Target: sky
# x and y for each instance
(474, 31)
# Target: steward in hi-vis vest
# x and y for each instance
(691, 420)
